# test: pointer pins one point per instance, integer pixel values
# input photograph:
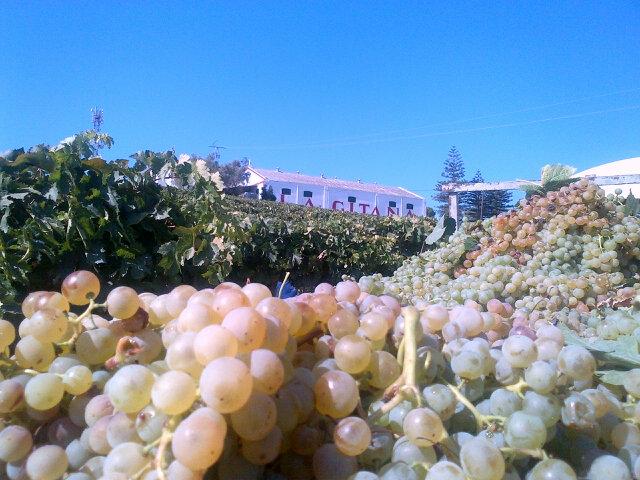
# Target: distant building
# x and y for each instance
(629, 166)
(335, 194)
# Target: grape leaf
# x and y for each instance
(612, 377)
(621, 352)
(556, 173)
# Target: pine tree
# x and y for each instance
(474, 204)
(498, 201)
(453, 172)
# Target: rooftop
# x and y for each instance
(279, 176)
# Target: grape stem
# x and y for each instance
(405, 386)
(518, 387)
(77, 323)
(536, 453)
(286, 277)
(165, 438)
(481, 420)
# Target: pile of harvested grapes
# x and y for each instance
(514, 356)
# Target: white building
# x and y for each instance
(335, 194)
(629, 166)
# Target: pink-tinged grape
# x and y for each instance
(353, 354)
(352, 436)
(324, 305)
(15, 443)
(202, 297)
(47, 463)
(228, 299)
(255, 419)
(181, 355)
(214, 342)
(599, 400)
(576, 362)
(145, 300)
(384, 369)
(198, 440)
(482, 460)
(130, 388)
(433, 318)
(98, 407)
(276, 307)
(276, 335)
(470, 321)
(625, 434)
(336, 394)
(33, 353)
(226, 384)
(347, 291)
(197, 316)
(423, 427)
(176, 300)
(373, 326)
(11, 395)
(520, 351)
(548, 349)
(122, 429)
(330, 464)
(173, 392)
(80, 286)
(266, 369)
(122, 302)
(63, 363)
(44, 391)
(127, 458)
(248, 326)
(98, 436)
(266, 450)
(93, 466)
(30, 303)
(256, 292)
(343, 323)
(77, 380)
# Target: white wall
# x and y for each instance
(338, 199)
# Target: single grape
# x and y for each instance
(468, 364)
(213, 342)
(405, 451)
(77, 454)
(226, 384)
(383, 368)
(44, 391)
(336, 394)
(397, 471)
(48, 462)
(576, 362)
(352, 436)
(263, 451)
(525, 431)
(330, 464)
(520, 351)
(122, 429)
(130, 388)
(173, 392)
(256, 418)
(541, 376)
(181, 355)
(122, 302)
(149, 423)
(11, 395)
(96, 346)
(266, 369)
(504, 402)
(552, 468)
(608, 467)
(80, 286)
(423, 427)
(15, 443)
(33, 353)
(248, 326)
(352, 353)
(77, 380)
(198, 440)
(126, 458)
(440, 399)
(482, 460)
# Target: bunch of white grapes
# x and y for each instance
(233, 383)
(570, 249)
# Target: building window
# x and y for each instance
(392, 204)
(307, 194)
(351, 199)
(409, 206)
(286, 191)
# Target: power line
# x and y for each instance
(436, 134)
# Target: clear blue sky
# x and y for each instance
(370, 90)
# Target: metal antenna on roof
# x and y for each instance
(216, 151)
